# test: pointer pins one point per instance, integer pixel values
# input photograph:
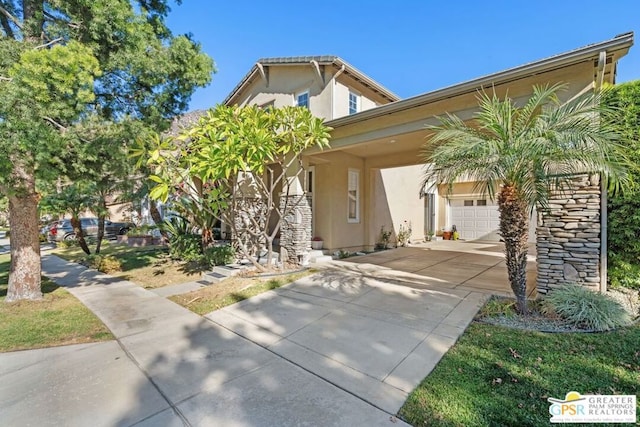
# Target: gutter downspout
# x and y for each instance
(333, 91)
(602, 63)
(603, 234)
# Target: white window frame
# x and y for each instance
(296, 101)
(309, 188)
(358, 102)
(355, 175)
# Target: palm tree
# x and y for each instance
(517, 154)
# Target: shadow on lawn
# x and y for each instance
(193, 267)
(132, 260)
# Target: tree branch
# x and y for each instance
(4, 22)
(54, 41)
(56, 124)
(55, 18)
(13, 19)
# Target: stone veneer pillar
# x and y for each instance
(295, 230)
(568, 238)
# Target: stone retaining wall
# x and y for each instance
(569, 236)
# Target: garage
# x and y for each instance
(475, 219)
(479, 219)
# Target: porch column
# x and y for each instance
(295, 230)
(569, 238)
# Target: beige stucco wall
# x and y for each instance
(341, 99)
(283, 85)
(328, 96)
(331, 203)
(394, 200)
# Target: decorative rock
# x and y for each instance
(570, 273)
(573, 245)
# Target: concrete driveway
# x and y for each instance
(374, 339)
(340, 347)
(471, 266)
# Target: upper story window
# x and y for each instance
(354, 102)
(302, 99)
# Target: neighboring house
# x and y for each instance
(370, 176)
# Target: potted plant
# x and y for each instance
(317, 243)
(446, 234)
(385, 239)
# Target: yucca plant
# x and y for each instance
(517, 153)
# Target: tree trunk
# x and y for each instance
(100, 232)
(157, 219)
(77, 229)
(33, 18)
(24, 275)
(207, 238)
(514, 229)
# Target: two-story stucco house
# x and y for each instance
(370, 176)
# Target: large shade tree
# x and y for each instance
(61, 61)
(518, 153)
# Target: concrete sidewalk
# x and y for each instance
(169, 367)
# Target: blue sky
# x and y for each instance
(411, 47)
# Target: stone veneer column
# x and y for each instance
(295, 231)
(568, 239)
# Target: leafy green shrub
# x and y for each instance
(105, 263)
(342, 254)
(177, 226)
(186, 247)
(385, 239)
(67, 243)
(585, 309)
(623, 219)
(141, 231)
(622, 273)
(220, 255)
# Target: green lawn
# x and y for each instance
(59, 319)
(148, 266)
(495, 376)
(231, 291)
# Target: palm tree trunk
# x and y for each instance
(514, 229)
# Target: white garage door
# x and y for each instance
(475, 219)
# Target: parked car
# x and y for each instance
(64, 231)
(45, 229)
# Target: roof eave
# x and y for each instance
(338, 62)
(623, 41)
